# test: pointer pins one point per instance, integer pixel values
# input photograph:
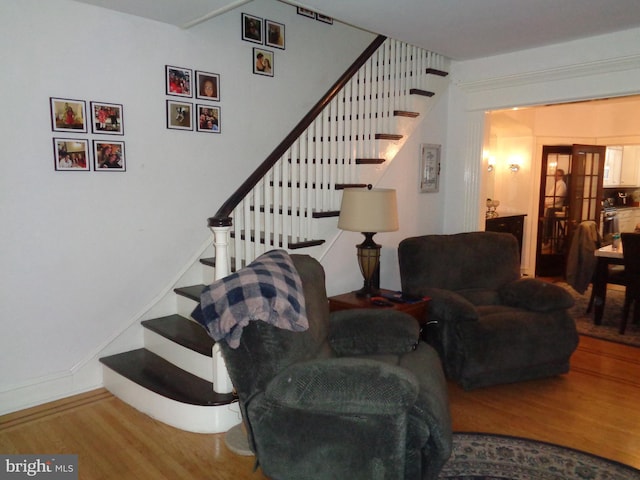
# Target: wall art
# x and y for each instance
(71, 154)
(179, 81)
(68, 115)
(179, 115)
(252, 28)
(324, 18)
(208, 119)
(262, 62)
(207, 86)
(108, 156)
(106, 118)
(274, 34)
(429, 167)
(306, 12)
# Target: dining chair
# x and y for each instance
(631, 258)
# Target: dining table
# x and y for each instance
(605, 256)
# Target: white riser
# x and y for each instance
(193, 362)
(192, 418)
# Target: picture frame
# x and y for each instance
(207, 86)
(274, 34)
(106, 118)
(262, 62)
(208, 119)
(429, 167)
(179, 115)
(178, 81)
(71, 154)
(306, 12)
(109, 156)
(68, 115)
(324, 18)
(252, 30)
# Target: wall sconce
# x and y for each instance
(514, 167)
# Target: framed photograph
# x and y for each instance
(179, 115)
(71, 154)
(207, 86)
(252, 28)
(68, 115)
(179, 81)
(274, 34)
(108, 156)
(106, 118)
(324, 18)
(208, 119)
(429, 167)
(262, 62)
(306, 12)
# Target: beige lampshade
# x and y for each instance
(363, 210)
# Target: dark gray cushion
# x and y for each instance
(535, 295)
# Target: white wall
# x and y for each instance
(85, 253)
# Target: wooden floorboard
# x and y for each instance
(594, 408)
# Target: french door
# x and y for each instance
(583, 168)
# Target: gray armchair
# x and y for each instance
(355, 396)
(489, 324)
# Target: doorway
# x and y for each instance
(570, 193)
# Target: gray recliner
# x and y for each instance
(356, 396)
(489, 324)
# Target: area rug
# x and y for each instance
(482, 456)
(610, 319)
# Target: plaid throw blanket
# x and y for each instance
(268, 289)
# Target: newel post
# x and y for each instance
(221, 229)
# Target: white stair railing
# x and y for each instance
(278, 210)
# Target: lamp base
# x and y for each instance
(367, 292)
(368, 260)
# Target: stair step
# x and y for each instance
(342, 186)
(404, 113)
(388, 136)
(163, 378)
(370, 161)
(291, 245)
(435, 71)
(211, 262)
(424, 93)
(182, 331)
(191, 292)
(327, 214)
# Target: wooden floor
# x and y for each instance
(595, 408)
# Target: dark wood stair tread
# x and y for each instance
(404, 113)
(424, 93)
(290, 244)
(192, 292)
(156, 374)
(435, 71)
(182, 331)
(370, 161)
(388, 136)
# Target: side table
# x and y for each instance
(417, 309)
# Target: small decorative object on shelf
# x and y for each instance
(492, 206)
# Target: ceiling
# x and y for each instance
(458, 29)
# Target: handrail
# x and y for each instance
(222, 218)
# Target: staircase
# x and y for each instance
(290, 202)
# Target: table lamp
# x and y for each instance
(368, 211)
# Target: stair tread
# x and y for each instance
(192, 291)
(182, 331)
(424, 93)
(156, 374)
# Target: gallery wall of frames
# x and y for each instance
(83, 138)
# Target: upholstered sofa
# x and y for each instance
(354, 396)
(489, 324)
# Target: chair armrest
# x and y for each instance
(535, 295)
(447, 306)
(368, 331)
(344, 385)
